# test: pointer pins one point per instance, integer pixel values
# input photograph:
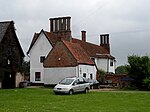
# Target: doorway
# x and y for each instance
(8, 80)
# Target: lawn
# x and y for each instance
(44, 100)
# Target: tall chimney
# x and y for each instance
(61, 28)
(51, 25)
(104, 42)
(83, 36)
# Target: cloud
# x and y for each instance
(127, 21)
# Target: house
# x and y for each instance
(11, 56)
(66, 60)
(56, 54)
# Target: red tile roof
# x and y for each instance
(92, 50)
(78, 52)
(67, 54)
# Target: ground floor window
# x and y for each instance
(37, 76)
(84, 75)
(91, 76)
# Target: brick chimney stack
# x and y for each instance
(104, 42)
(61, 28)
(83, 36)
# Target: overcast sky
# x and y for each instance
(127, 21)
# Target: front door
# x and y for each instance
(8, 80)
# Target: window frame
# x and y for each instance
(37, 76)
(111, 63)
(84, 75)
(42, 58)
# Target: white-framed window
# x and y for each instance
(111, 63)
(42, 58)
(37, 76)
(84, 75)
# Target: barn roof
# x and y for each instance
(3, 28)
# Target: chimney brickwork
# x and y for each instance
(83, 36)
(61, 28)
(104, 42)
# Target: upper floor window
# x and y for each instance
(111, 63)
(42, 58)
(8, 62)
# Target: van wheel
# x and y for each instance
(86, 90)
(71, 92)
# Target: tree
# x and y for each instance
(26, 67)
(139, 69)
(121, 69)
(101, 74)
(147, 83)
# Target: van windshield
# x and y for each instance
(66, 81)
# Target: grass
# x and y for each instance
(44, 100)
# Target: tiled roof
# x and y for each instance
(78, 52)
(67, 54)
(93, 50)
(3, 28)
(104, 56)
(51, 37)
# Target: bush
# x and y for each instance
(146, 83)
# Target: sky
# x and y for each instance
(127, 22)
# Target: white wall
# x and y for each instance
(88, 69)
(32, 75)
(55, 74)
(40, 48)
(104, 64)
(112, 68)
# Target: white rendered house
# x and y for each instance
(56, 54)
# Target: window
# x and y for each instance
(37, 76)
(8, 62)
(91, 76)
(93, 59)
(42, 58)
(111, 62)
(84, 75)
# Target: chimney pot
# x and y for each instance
(83, 36)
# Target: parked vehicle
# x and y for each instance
(24, 84)
(72, 85)
(94, 84)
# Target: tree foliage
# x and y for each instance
(139, 69)
(101, 74)
(147, 83)
(121, 69)
(26, 67)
